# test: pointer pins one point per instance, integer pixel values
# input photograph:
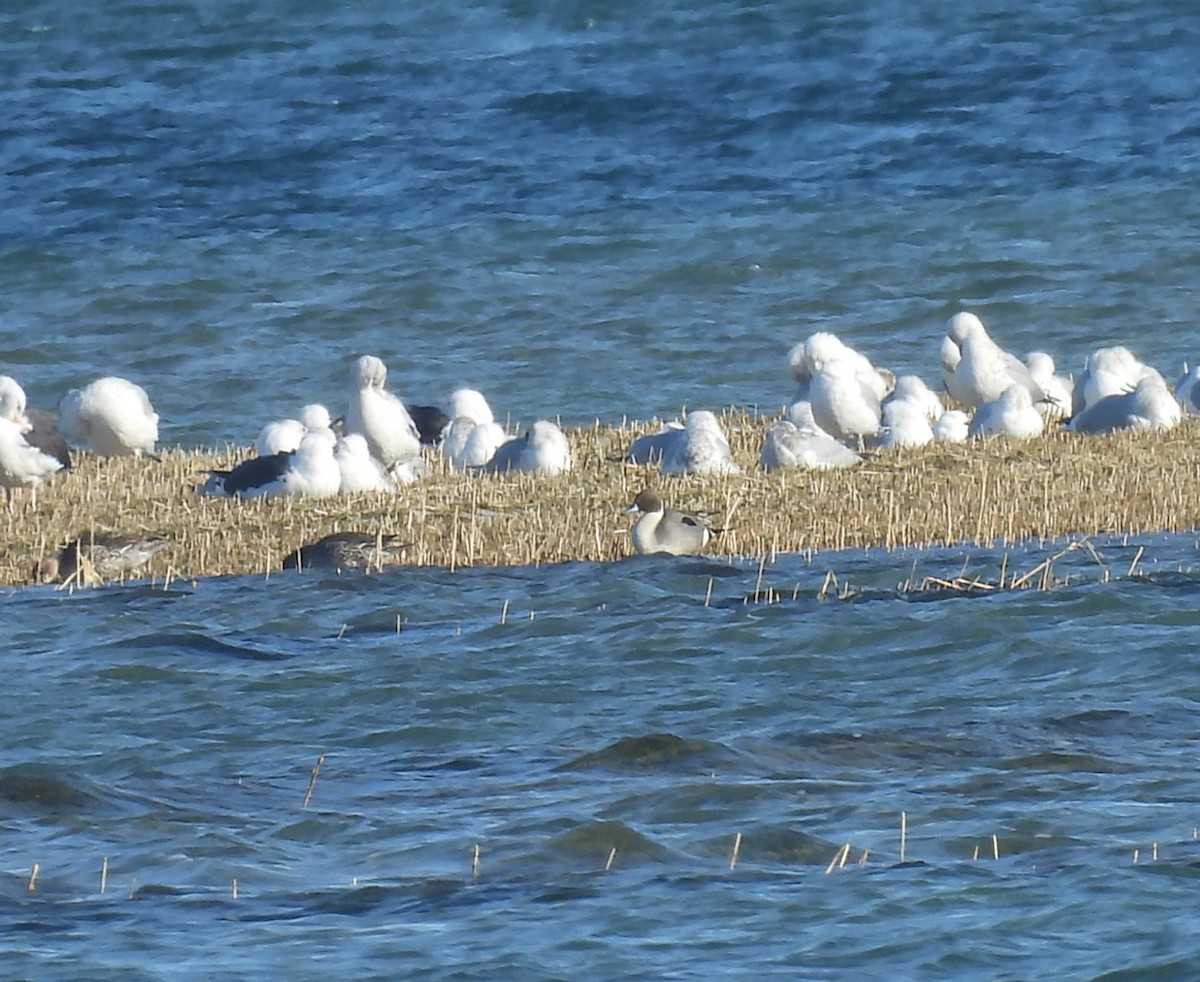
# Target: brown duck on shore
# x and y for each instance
(95, 557)
(348, 550)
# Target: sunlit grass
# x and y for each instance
(996, 492)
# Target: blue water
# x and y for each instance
(593, 211)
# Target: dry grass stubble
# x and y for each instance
(999, 491)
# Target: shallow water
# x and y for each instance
(594, 211)
(552, 715)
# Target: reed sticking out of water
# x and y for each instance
(104, 875)
(612, 855)
(504, 612)
(1059, 484)
(903, 834)
(839, 859)
(737, 847)
(235, 895)
(995, 847)
(1136, 558)
(862, 860)
(475, 862)
(312, 780)
(31, 886)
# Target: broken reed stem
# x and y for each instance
(104, 875)
(31, 886)
(1137, 556)
(612, 855)
(312, 780)
(839, 859)
(504, 612)
(995, 847)
(903, 834)
(737, 847)
(235, 893)
(708, 592)
(475, 862)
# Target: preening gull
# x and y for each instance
(701, 448)
(955, 388)
(348, 550)
(843, 406)
(663, 529)
(1013, 415)
(97, 556)
(111, 417)
(985, 369)
(1150, 406)
(542, 450)
(379, 416)
(1058, 391)
(806, 359)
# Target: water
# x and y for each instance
(593, 211)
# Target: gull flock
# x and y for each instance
(843, 407)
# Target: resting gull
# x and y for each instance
(1150, 406)
(284, 435)
(787, 444)
(542, 450)
(1013, 415)
(701, 448)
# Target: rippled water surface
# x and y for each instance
(595, 210)
(659, 709)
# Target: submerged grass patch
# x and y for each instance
(992, 492)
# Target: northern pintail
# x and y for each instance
(663, 529)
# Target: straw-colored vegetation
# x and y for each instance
(999, 491)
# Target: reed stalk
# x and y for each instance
(737, 847)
